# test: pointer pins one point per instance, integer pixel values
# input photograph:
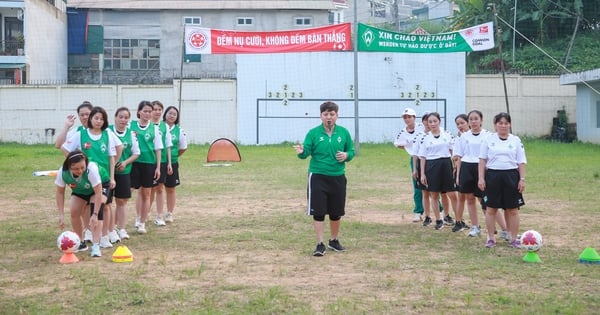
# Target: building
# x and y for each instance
(34, 37)
(588, 103)
(141, 42)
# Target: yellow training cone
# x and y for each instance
(122, 254)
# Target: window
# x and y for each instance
(377, 9)
(245, 21)
(131, 54)
(192, 20)
(303, 21)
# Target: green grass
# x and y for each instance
(241, 243)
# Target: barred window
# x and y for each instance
(131, 54)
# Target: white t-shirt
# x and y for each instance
(502, 154)
(436, 147)
(467, 146)
(407, 139)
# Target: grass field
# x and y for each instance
(241, 243)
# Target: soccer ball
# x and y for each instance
(531, 240)
(68, 242)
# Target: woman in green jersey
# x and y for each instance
(85, 179)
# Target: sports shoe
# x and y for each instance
(87, 235)
(427, 221)
(113, 237)
(82, 247)
(123, 234)
(515, 244)
(417, 217)
(95, 251)
(159, 222)
(490, 244)
(141, 228)
(137, 221)
(169, 217)
(336, 246)
(320, 250)
(505, 235)
(448, 220)
(105, 242)
(439, 224)
(475, 231)
(458, 226)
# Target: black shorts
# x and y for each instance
(468, 178)
(163, 173)
(501, 189)
(142, 175)
(173, 179)
(105, 192)
(439, 175)
(123, 188)
(326, 195)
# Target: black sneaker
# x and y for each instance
(439, 224)
(320, 250)
(335, 245)
(458, 226)
(448, 220)
(427, 221)
(82, 247)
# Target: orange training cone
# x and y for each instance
(122, 254)
(68, 258)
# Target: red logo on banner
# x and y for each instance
(483, 29)
(197, 40)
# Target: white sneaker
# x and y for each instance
(137, 221)
(159, 222)
(169, 217)
(113, 237)
(96, 251)
(475, 231)
(87, 235)
(104, 242)
(141, 228)
(123, 234)
(417, 217)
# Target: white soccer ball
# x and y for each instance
(68, 242)
(531, 240)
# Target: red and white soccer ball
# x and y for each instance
(531, 240)
(68, 242)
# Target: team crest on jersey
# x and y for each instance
(173, 138)
(147, 136)
(87, 186)
(87, 145)
(103, 147)
(339, 139)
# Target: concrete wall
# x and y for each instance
(45, 42)
(533, 101)
(212, 108)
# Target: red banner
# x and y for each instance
(328, 38)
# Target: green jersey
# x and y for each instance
(162, 126)
(97, 151)
(82, 184)
(126, 140)
(322, 148)
(175, 137)
(145, 137)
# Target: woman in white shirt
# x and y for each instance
(502, 177)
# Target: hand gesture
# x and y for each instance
(341, 156)
(70, 121)
(299, 148)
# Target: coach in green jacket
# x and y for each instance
(330, 147)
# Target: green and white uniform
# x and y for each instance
(82, 185)
(130, 147)
(323, 149)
